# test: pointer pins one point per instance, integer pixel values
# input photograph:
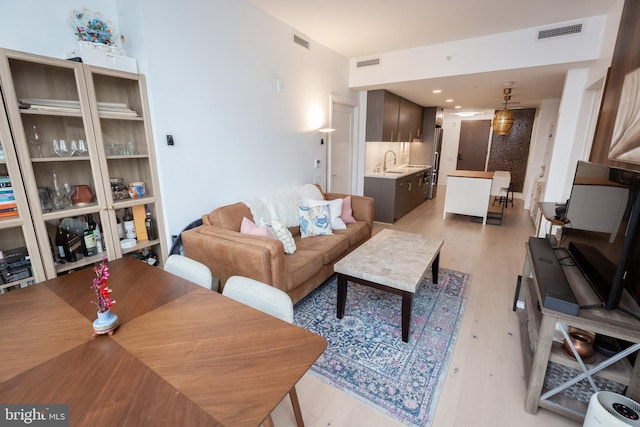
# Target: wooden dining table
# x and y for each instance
(182, 355)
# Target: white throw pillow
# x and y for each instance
(283, 234)
(335, 210)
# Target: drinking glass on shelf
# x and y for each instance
(74, 147)
(131, 148)
(58, 196)
(60, 148)
(82, 148)
(33, 137)
(68, 190)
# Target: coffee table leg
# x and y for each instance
(342, 295)
(434, 268)
(407, 300)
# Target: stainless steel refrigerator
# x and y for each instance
(433, 148)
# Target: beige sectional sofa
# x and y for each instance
(219, 244)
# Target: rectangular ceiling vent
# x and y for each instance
(559, 31)
(368, 62)
(302, 42)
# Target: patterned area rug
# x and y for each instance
(366, 356)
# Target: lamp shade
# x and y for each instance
(502, 122)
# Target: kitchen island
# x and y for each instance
(468, 193)
(397, 191)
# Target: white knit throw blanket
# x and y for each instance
(283, 205)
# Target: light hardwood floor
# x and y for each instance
(485, 384)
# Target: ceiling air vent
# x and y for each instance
(302, 42)
(559, 31)
(368, 62)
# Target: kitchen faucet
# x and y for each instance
(384, 164)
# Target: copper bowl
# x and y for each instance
(583, 342)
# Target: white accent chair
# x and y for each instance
(269, 300)
(191, 270)
(500, 185)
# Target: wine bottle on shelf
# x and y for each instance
(119, 228)
(150, 225)
(61, 242)
(89, 241)
(95, 228)
(71, 245)
(129, 225)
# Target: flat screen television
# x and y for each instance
(603, 231)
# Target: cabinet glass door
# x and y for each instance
(53, 136)
(123, 133)
(20, 262)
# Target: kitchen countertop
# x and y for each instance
(471, 174)
(397, 172)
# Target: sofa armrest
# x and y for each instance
(362, 206)
(229, 253)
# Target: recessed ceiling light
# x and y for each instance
(437, 91)
(449, 100)
(457, 106)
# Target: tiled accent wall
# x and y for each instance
(510, 152)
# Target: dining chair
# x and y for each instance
(269, 300)
(191, 270)
(500, 186)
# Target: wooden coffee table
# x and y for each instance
(393, 261)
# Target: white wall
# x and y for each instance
(503, 51)
(213, 75)
(541, 147)
(44, 27)
(211, 72)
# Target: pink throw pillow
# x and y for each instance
(347, 213)
(249, 227)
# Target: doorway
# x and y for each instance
(340, 147)
(474, 143)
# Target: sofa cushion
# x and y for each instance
(330, 247)
(229, 217)
(356, 233)
(315, 221)
(301, 266)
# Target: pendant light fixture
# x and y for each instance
(503, 120)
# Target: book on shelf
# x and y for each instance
(8, 209)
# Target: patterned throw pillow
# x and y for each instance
(315, 221)
(283, 234)
(335, 210)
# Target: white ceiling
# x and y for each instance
(358, 28)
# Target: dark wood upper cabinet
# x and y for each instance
(392, 118)
(382, 115)
(409, 121)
